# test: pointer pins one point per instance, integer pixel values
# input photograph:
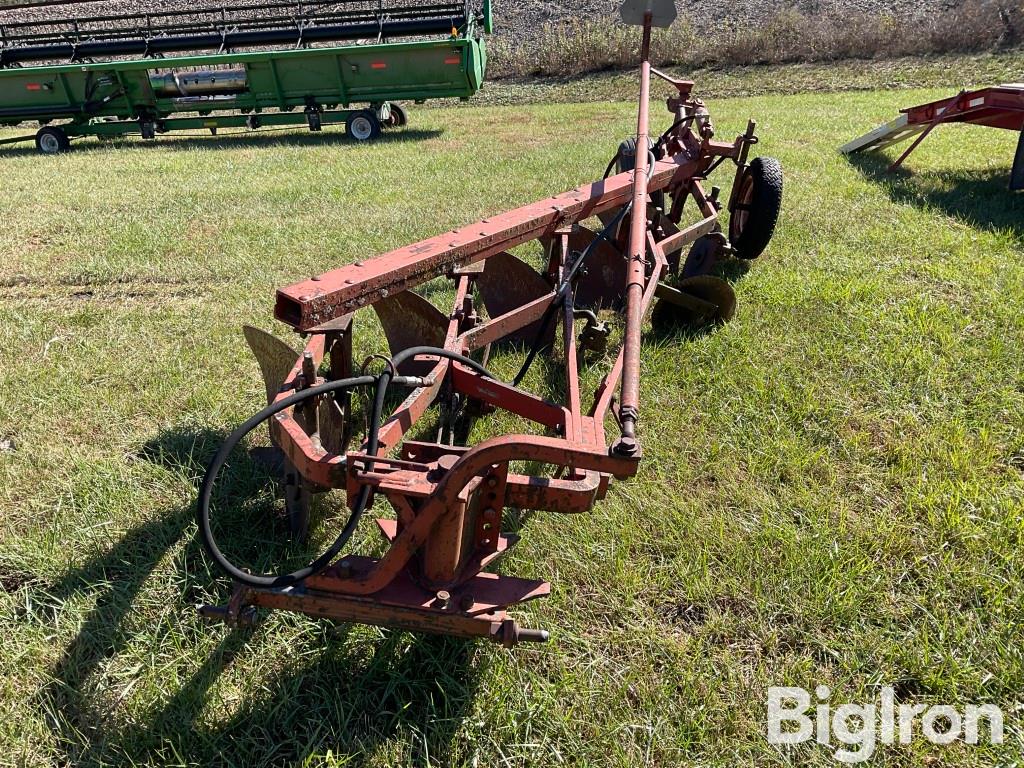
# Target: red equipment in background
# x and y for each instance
(999, 107)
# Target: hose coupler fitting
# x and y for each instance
(627, 444)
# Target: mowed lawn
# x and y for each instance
(832, 490)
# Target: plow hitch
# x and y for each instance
(575, 276)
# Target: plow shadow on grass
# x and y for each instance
(416, 688)
(978, 197)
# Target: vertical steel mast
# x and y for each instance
(645, 12)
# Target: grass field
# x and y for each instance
(832, 491)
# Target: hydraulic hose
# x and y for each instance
(545, 321)
(381, 384)
(549, 313)
(668, 131)
(611, 164)
(206, 493)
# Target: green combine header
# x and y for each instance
(239, 66)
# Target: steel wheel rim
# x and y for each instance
(49, 144)
(361, 128)
(738, 221)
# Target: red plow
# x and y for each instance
(615, 252)
(1001, 106)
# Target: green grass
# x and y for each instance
(831, 493)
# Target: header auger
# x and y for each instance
(450, 499)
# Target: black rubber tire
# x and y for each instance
(354, 126)
(399, 116)
(627, 162)
(627, 153)
(1017, 171)
(750, 234)
(51, 140)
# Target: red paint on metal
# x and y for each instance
(449, 500)
(312, 302)
(999, 106)
(630, 387)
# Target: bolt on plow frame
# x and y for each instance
(452, 501)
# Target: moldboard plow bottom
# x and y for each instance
(454, 500)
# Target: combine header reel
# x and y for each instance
(452, 501)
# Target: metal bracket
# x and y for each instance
(1017, 172)
(663, 12)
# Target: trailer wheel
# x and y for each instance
(399, 117)
(627, 162)
(362, 125)
(52, 141)
(627, 153)
(756, 208)
(1017, 170)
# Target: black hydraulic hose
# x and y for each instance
(206, 492)
(664, 136)
(538, 339)
(545, 322)
(611, 164)
(549, 314)
(651, 161)
(384, 381)
(381, 382)
(411, 352)
(652, 158)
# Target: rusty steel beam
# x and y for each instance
(310, 303)
(629, 412)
